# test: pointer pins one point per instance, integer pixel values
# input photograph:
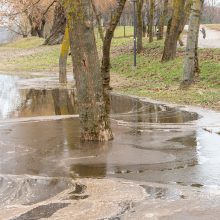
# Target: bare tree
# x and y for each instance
(35, 13)
(105, 67)
(94, 119)
(58, 27)
(98, 20)
(191, 58)
(151, 20)
(173, 28)
(140, 25)
(163, 17)
(210, 11)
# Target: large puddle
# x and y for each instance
(153, 143)
(20, 101)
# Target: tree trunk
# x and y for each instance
(172, 35)
(95, 122)
(37, 28)
(162, 20)
(183, 22)
(58, 28)
(34, 32)
(145, 18)
(191, 57)
(98, 20)
(107, 43)
(180, 41)
(33, 28)
(41, 30)
(63, 57)
(37, 32)
(151, 21)
(144, 29)
(139, 26)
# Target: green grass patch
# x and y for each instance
(44, 60)
(120, 32)
(151, 78)
(26, 43)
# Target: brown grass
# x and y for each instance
(213, 26)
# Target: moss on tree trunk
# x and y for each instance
(94, 118)
(63, 57)
(173, 28)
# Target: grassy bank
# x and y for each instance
(28, 55)
(161, 80)
(151, 78)
(213, 26)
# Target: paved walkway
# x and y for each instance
(212, 39)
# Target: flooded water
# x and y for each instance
(40, 147)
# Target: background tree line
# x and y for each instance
(42, 17)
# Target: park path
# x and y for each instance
(212, 39)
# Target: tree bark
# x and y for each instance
(173, 28)
(105, 67)
(144, 29)
(94, 119)
(63, 57)
(38, 31)
(139, 26)
(191, 57)
(98, 20)
(41, 30)
(187, 10)
(58, 27)
(151, 21)
(33, 31)
(145, 18)
(163, 16)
